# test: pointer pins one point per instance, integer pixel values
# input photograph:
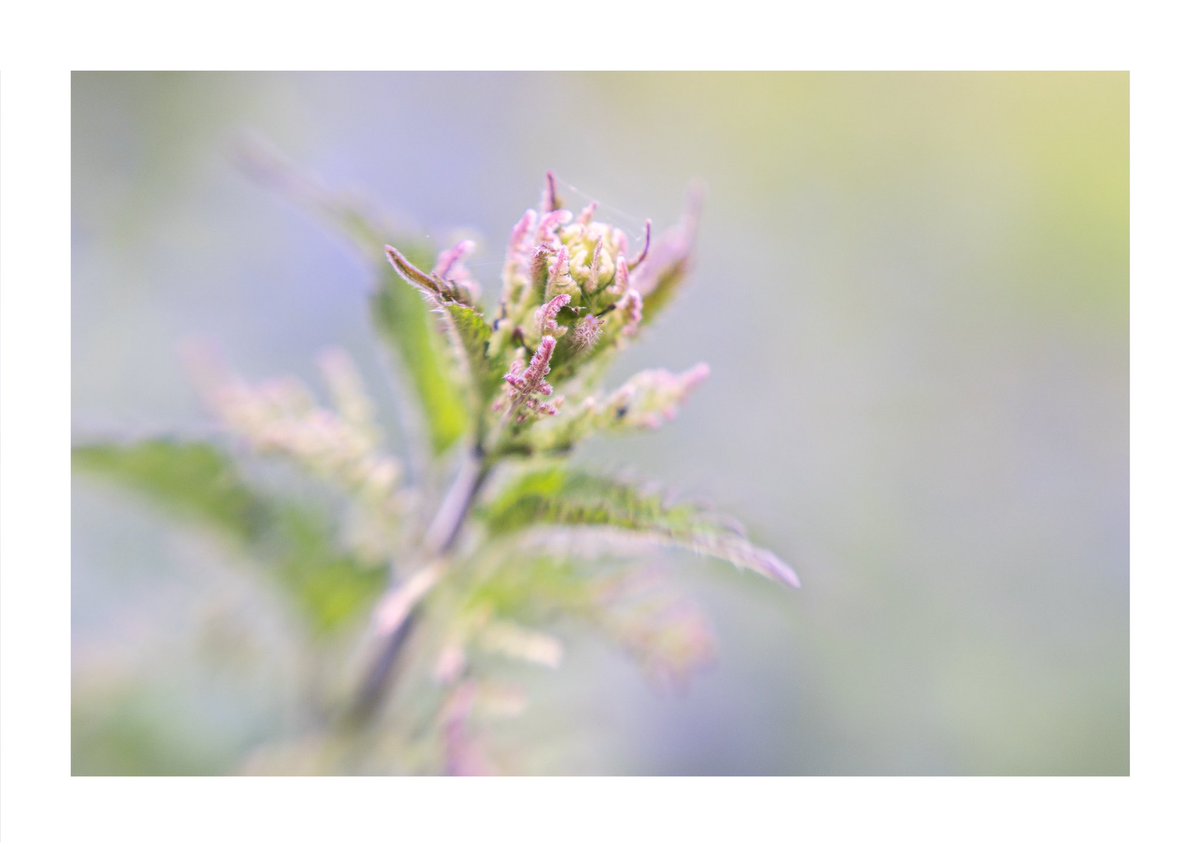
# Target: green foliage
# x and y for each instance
(470, 334)
(566, 497)
(199, 483)
(518, 388)
(193, 479)
(405, 324)
(533, 588)
(558, 494)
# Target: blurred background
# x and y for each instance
(912, 290)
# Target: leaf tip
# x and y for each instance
(787, 576)
(772, 567)
(408, 271)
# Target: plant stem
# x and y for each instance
(406, 598)
(452, 514)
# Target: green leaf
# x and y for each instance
(470, 333)
(197, 482)
(404, 321)
(192, 479)
(557, 496)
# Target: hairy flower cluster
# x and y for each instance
(545, 317)
(567, 276)
(587, 332)
(574, 292)
(572, 288)
(524, 383)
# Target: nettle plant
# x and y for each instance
(486, 545)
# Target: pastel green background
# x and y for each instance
(912, 290)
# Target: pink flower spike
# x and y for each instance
(551, 222)
(517, 243)
(545, 316)
(537, 266)
(587, 332)
(513, 377)
(645, 248)
(589, 212)
(560, 264)
(540, 365)
(524, 385)
(594, 270)
(651, 398)
(621, 280)
(550, 197)
(631, 303)
(447, 259)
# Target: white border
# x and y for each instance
(42, 804)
